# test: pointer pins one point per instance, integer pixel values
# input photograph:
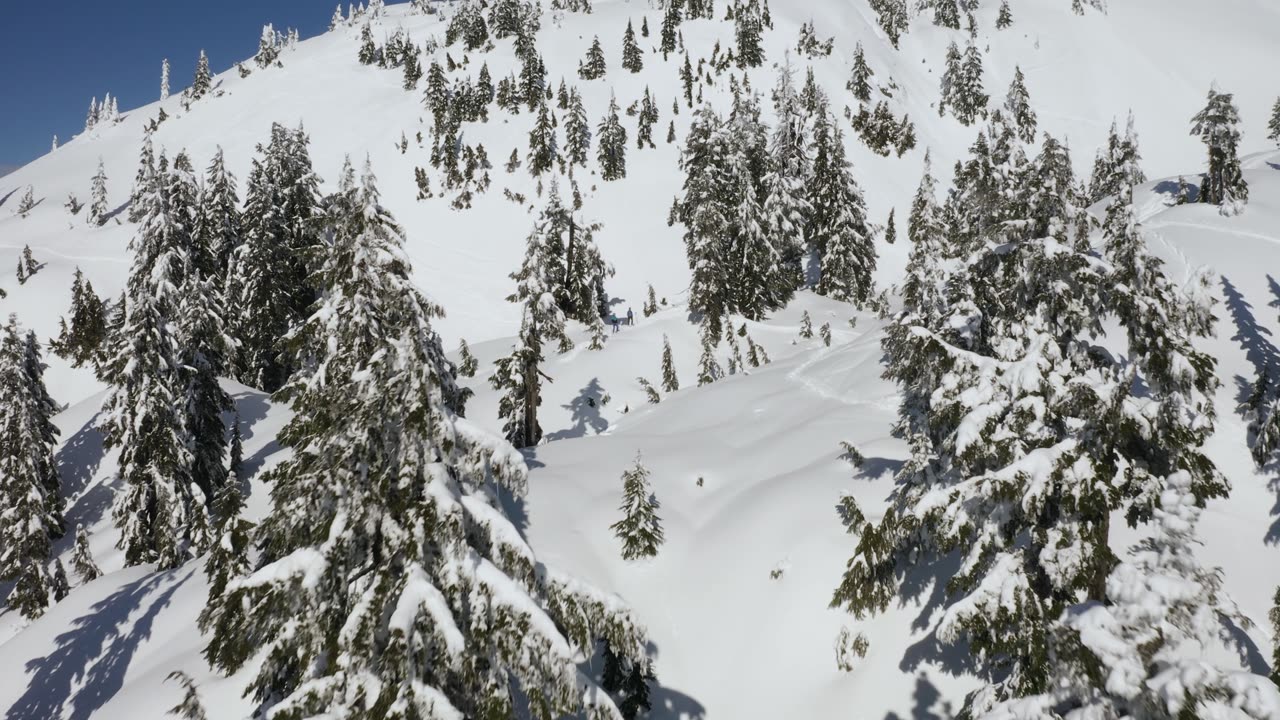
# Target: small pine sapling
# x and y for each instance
(670, 383)
(640, 529)
(851, 454)
(190, 708)
(467, 364)
(650, 392)
(806, 326)
(650, 304)
(60, 587)
(825, 332)
(82, 558)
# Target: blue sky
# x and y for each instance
(55, 56)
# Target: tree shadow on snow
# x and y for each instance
(926, 699)
(666, 703)
(586, 415)
(95, 655)
(1170, 188)
(7, 195)
(78, 461)
(113, 214)
(1237, 639)
(252, 408)
(1253, 339)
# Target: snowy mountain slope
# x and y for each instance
(731, 642)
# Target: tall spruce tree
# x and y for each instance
(269, 290)
(612, 144)
(41, 417)
(838, 224)
(385, 544)
(98, 204)
(632, 55)
(518, 376)
(82, 341)
(33, 512)
(543, 148)
(894, 18)
(594, 66)
(160, 518)
(202, 83)
(1218, 127)
(1017, 106)
(218, 229)
(786, 203)
(860, 77)
(577, 131)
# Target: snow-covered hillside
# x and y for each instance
(748, 470)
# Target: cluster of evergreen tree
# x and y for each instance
(1028, 435)
(386, 544)
(962, 91)
(162, 360)
(1217, 125)
(561, 278)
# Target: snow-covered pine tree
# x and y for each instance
(670, 383)
(91, 118)
(1273, 125)
(611, 152)
(860, 77)
(80, 342)
(1144, 652)
(228, 559)
(806, 325)
(577, 131)
(651, 303)
(386, 544)
(971, 99)
(205, 349)
(1025, 499)
(98, 204)
(647, 117)
(218, 228)
(632, 55)
(543, 150)
(41, 418)
(1218, 127)
(838, 221)
(1120, 152)
(159, 516)
(25, 461)
(759, 281)
(1017, 105)
(894, 18)
(706, 220)
(82, 558)
(518, 376)
(269, 288)
(27, 265)
(143, 180)
(164, 80)
(640, 529)
(202, 82)
(786, 205)
(467, 363)
(748, 25)
(671, 18)
(337, 20)
(946, 13)
(1005, 16)
(27, 202)
(709, 369)
(268, 47)
(593, 67)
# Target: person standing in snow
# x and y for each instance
(631, 317)
(613, 320)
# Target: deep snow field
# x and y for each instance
(748, 469)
